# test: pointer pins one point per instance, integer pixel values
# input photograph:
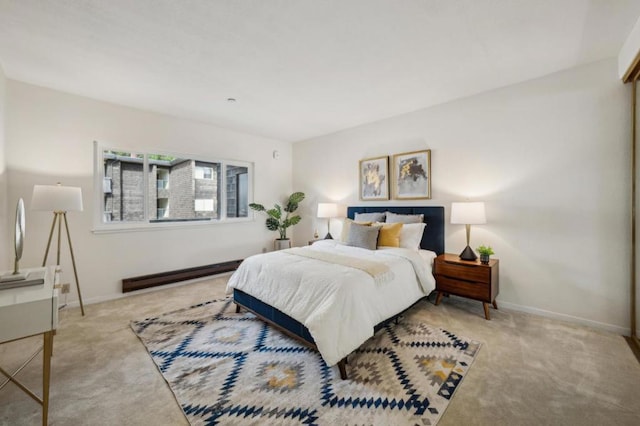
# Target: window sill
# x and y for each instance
(114, 228)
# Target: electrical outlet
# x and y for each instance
(65, 288)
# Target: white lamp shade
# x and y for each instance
(327, 210)
(56, 198)
(468, 213)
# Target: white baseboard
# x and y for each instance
(564, 317)
(106, 298)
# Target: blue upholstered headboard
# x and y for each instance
(433, 237)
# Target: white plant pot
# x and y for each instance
(281, 244)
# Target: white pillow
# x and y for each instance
(411, 235)
(369, 217)
(404, 218)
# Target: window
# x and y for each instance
(178, 188)
(237, 191)
(124, 200)
(204, 205)
(106, 185)
(162, 211)
(203, 172)
(162, 178)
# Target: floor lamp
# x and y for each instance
(59, 200)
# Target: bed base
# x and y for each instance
(289, 326)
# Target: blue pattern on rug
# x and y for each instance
(229, 368)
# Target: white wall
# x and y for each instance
(4, 222)
(50, 138)
(550, 157)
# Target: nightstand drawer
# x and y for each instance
(473, 290)
(463, 272)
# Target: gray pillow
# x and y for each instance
(404, 218)
(363, 236)
(369, 217)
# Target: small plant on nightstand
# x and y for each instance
(485, 252)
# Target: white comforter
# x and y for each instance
(339, 305)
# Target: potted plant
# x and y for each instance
(485, 252)
(279, 218)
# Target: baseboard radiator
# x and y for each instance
(170, 277)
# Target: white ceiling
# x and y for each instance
(300, 68)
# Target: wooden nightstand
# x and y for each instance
(469, 279)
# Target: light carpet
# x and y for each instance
(229, 368)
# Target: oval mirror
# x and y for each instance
(20, 228)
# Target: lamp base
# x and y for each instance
(468, 254)
(328, 236)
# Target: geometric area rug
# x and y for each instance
(233, 369)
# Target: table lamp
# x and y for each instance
(468, 213)
(328, 210)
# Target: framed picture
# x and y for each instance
(412, 175)
(374, 179)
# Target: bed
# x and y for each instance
(334, 308)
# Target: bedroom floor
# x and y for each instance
(530, 370)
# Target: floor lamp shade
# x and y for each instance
(469, 213)
(56, 198)
(328, 210)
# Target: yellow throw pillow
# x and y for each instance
(389, 235)
(346, 225)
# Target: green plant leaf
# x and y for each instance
(296, 197)
(275, 213)
(275, 219)
(294, 220)
(290, 207)
(294, 200)
(272, 224)
(486, 250)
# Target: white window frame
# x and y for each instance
(100, 226)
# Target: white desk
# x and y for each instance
(29, 311)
